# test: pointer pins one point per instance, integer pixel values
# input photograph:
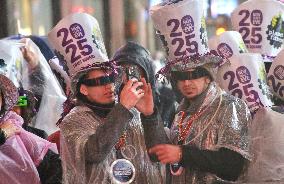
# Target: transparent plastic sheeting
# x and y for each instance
(75, 136)
(21, 154)
(267, 136)
(46, 85)
(52, 96)
(11, 61)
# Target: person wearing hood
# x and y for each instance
(136, 60)
(26, 157)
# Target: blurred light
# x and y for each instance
(23, 31)
(154, 2)
(41, 30)
(146, 15)
(131, 28)
(205, 7)
(219, 7)
(80, 9)
(220, 30)
(18, 25)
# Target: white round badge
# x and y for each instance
(122, 171)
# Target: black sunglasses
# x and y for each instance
(100, 81)
(190, 75)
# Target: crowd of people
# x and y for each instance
(210, 113)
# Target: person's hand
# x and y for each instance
(29, 55)
(9, 128)
(146, 104)
(167, 153)
(130, 93)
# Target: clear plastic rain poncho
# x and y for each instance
(21, 154)
(11, 61)
(267, 145)
(78, 126)
(41, 81)
(223, 124)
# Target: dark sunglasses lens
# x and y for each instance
(190, 75)
(100, 81)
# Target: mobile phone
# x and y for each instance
(133, 72)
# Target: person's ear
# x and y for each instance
(83, 89)
(207, 80)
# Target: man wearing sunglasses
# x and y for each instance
(208, 140)
(101, 139)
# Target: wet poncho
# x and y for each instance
(87, 162)
(223, 124)
(21, 154)
(267, 145)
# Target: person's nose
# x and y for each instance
(109, 86)
(187, 82)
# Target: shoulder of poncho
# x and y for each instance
(77, 113)
(80, 109)
(230, 99)
(14, 117)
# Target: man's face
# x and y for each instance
(102, 94)
(192, 88)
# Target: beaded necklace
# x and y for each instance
(183, 133)
(124, 151)
(121, 141)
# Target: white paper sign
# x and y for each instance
(245, 77)
(181, 27)
(227, 44)
(261, 25)
(275, 76)
(78, 41)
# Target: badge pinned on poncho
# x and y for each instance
(122, 171)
